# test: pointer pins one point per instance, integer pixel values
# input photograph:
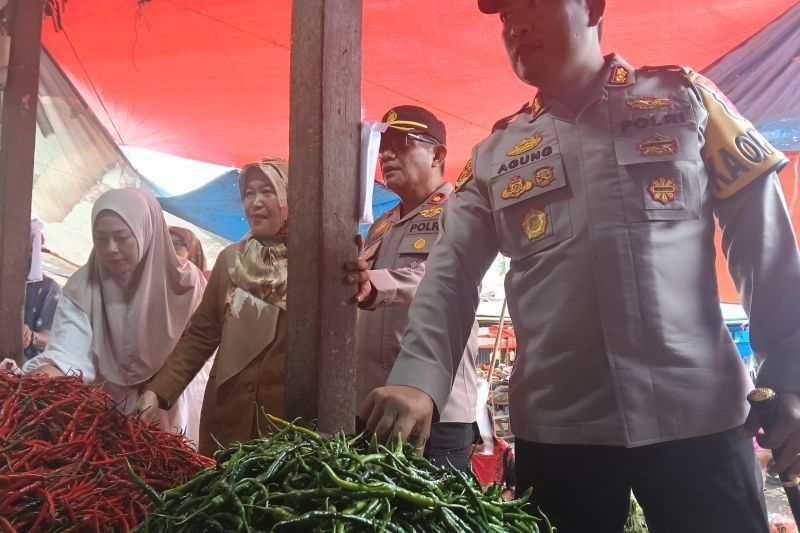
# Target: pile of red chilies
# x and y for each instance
(63, 452)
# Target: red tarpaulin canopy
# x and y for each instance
(209, 79)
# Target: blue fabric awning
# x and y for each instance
(217, 207)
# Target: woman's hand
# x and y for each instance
(147, 406)
(49, 370)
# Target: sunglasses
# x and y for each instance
(398, 141)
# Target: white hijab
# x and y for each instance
(136, 325)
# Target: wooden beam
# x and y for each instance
(324, 138)
(17, 141)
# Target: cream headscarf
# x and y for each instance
(260, 267)
(136, 325)
(258, 274)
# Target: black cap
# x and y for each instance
(414, 119)
(488, 6)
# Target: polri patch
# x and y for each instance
(663, 189)
(526, 145)
(544, 176)
(648, 102)
(534, 225)
(516, 187)
(658, 145)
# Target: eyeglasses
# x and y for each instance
(397, 141)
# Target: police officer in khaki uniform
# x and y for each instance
(604, 192)
(412, 153)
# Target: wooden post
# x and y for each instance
(323, 190)
(17, 141)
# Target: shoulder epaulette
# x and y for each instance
(505, 121)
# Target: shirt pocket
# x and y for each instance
(531, 208)
(660, 173)
(414, 248)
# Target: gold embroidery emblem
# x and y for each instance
(437, 198)
(536, 105)
(543, 176)
(391, 117)
(535, 224)
(516, 187)
(648, 102)
(619, 76)
(525, 145)
(663, 189)
(464, 176)
(658, 145)
(431, 211)
(419, 244)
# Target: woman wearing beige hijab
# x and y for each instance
(243, 313)
(124, 311)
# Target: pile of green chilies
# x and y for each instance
(71, 461)
(297, 480)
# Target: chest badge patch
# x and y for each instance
(619, 76)
(419, 244)
(663, 190)
(658, 145)
(526, 145)
(534, 225)
(543, 176)
(516, 187)
(437, 198)
(648, 102)
(430, 212)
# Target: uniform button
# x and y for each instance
(384, 302)
(250, 387)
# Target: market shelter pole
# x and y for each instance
(325, 109)
(23, 20)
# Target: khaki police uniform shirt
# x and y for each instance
(608, 215)
(396, 249)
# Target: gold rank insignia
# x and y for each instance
(525, 145)
(658, 145)
(543, 176)
(535, 224)
(437, 198)
(516, 187)
(431, 211)
(419, 244)
(391, 117)
(464, 176)
(648, 102)
(619, 75)
(536, 105)
(663, 189)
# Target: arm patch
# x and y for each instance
(735, 153)
(464, 176)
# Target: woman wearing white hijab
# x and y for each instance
(125, 310)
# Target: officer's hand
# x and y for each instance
(398, 410)
(147, 406)
(27, 335)
(784, 435)
(358, 274)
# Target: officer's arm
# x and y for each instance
(760, 245)
(442, 313)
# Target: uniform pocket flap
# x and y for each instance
(669, 143)
(416, 244)
(528, 182)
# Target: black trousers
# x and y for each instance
(703, 485)
(450, 444)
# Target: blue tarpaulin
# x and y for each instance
(217, 206)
